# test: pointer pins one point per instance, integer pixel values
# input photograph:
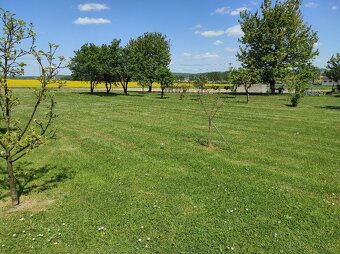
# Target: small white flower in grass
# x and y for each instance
(146, 246)
(63, 224)
(232, 248)
(40, 235)
(142, 227)
(148, 239)
(247, 209)
(49, 230)
(139, 240)
(55, 243)
(275, 235)
(59, 234)
(14, 235)
(22, 219)
(3, 245)
(24, 231)
(33, 239)
(31, 215)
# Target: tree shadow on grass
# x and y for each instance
(331, 107)
(35, 179)
(112, 94)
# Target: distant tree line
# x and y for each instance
(145, 60)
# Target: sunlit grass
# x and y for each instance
(129, 174)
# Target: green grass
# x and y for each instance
(136, 166)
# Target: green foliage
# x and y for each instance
(164, 78)
(18, 137)
(109, 62)
(276, 39)
(298, 81)
(333, 70)
(150, 52)
(200, 81)
(85, 65)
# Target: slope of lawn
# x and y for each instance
(132, 174)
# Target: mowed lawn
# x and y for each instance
(131, 174)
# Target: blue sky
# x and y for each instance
(203, 33)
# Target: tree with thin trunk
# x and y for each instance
(125, 67)
(165, 79)
(108, 65)
(18, 138)
(244, 77)
(276, 39)
(150, 52)
(333, 71)
(85, 65)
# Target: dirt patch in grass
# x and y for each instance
(28, 203)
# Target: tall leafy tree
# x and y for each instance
(125, 68)
(165, 79)
(333, 70)
(276, 39)
(109, 63)
(19, 136)
(85, 65)
(151, 51)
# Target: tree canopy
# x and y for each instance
(333, 69)
(276, 39)
(85, 65)
(150, 52)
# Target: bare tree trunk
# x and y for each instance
(162, 92)
(209, 134)
(150, 88)
(247, 93)
(108, 87)
(12, 181)
(125, 89)
(272, 86)
(91, 87)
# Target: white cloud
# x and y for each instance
(230, 49)
(334, 7)
(238, 10)
(311, 5)
(218, 42)
(222, 11)
(92, 7)
(207, 56)
(210, 33)
(198, 26)
(317, 45)
(234, 31)
(227, 10)
(89, 21)
(185, 54)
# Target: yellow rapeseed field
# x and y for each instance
(32, 83)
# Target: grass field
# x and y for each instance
(130, 174)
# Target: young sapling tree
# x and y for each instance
(19, 137)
